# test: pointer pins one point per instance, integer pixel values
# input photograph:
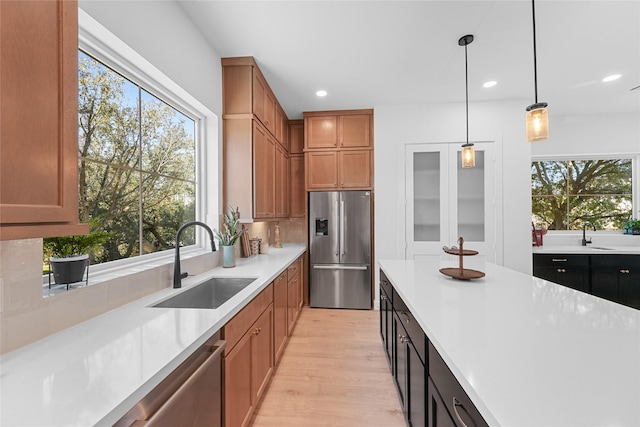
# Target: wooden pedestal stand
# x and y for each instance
(461, 273)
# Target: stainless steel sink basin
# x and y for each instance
(210, 294)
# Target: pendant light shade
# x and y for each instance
(468, 152)
(537, 115)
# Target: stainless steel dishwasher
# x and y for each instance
(190, 396)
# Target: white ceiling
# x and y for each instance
(372, 53)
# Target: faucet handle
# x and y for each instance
(185, 274)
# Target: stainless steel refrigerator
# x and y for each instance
(340, 249)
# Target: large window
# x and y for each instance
(137, 168)
(567, 193)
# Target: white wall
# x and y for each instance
(590, 134)
(490, 121)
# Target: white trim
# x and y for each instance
(108, 48)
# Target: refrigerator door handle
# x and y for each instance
(341, 227)
(340, 267)
(336, 232)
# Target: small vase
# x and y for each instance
(228, 257)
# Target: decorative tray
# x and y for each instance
(461, 273)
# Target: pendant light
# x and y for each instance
(468, 152)
(537, 114)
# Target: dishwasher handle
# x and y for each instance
(214, 357)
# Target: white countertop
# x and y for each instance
(587, 250)
(528, 352)
(94, 372)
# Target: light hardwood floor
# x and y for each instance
(333, 373)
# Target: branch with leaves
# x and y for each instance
(230, 228)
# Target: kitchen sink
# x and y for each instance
(209, 294)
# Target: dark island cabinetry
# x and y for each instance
(428, 392)
(613, 277)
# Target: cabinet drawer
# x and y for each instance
(235, 328)
(411, 326)
(456, 400)
(616, 261)
(293, 269)
(561, 260)
(385, 285)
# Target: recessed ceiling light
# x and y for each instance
(612, 78)
(490, 83)
(321, 93)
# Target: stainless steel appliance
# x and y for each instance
(340, 249)
(190, 396)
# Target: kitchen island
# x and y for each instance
(93, 373)
(526, 351)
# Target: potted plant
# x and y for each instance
(69, 255)
(632, 226)
(228, 236)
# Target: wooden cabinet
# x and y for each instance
(248, 359)
(295, 298)
(39, 119)
(339, 150)
(297, 195)
(462, 411)
(281, 183)
(296, 137)
(571, 271)
(255, 141)
(280, 322)
(616, 278)
(386, 318)
(409, 362)
(264, 170)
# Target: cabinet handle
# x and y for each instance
(561, 270)
(559, 259)
(407, 317)
(457, 403)
(257, 331)
(624, 271)
(383, 297)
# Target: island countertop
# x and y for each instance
(528, 352)
(93, 373)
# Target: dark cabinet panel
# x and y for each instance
(437, 410)
(571, 271)
(617, 278)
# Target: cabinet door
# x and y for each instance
(386, 325)
(354, 131)
(416, 388)
(293, 307)
(321, 168)
(259, 93)
(280, 323)
(445, 201)
(282, 183)
(39, 119)
(264, 173)
(297, 194)
(437, 410)
(281, 128)
(321, 132)
(629, 286)
(400, 360)
(354, 168)
(604, 283)
(296, 137)
(238, 397)
(261, 354)
(269, 111)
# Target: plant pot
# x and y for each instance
(228, 257)
(69, 270)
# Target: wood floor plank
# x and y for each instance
(333, 373)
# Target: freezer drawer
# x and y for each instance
(340, 286)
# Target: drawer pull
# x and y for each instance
(407, 318)
(624, 271)
(457, 403)
(559, 259)
(561, 270)
(383, 297)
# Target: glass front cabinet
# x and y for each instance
(445, 201)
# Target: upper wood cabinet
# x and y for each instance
(245, 91)
(338, 129)
(39, 119)
(264, 172)
(338, 150)
(296, 137)
(281, 183)
(297, 201)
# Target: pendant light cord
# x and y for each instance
(466, 80)
(535, 61)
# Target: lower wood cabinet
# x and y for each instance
(248, 362)
(280, 318)
(294, 292)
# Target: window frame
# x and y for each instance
(635, 179)
(100, 43)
